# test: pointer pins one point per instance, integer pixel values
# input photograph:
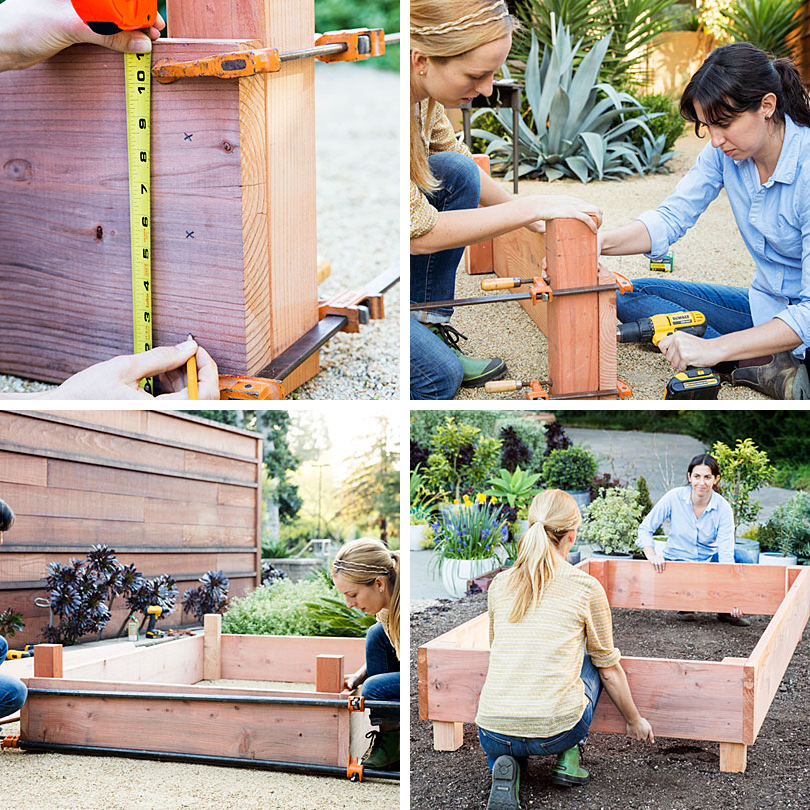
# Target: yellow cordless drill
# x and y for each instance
(694, 383)
(154, 612)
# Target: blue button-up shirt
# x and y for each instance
(691, 539)
(773, 218)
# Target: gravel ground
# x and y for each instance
(670, 775)
(358, 227)
(712, 251)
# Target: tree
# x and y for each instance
(371, 490)
(278, 458)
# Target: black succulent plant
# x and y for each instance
(419, 455)
(210, 597)
(271, 574)
(514, 452)
(556, 438)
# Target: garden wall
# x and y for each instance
(169, 492)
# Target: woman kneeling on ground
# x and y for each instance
(551, 651)
(758, 118)
(367, 574)
(13, 691)
(701, 527)
(456, 48)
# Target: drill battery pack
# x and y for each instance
(663, 265)
(694, 383)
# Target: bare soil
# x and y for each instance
(626, 775)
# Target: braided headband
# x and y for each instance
(468, 21)
(361, 568)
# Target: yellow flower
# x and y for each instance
(467, 501)
(455, 500)
(481, 498)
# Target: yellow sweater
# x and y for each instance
(437, 136)
(533, 688)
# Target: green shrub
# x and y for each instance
(644, 500)
(788, 528)
(572, 469)
(424, 423)
(280, 610)
(742, 470)
(793, 475)
(611, 521)
(667, 122)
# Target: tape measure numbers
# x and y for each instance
(137, 79)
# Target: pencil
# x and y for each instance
(191, 373)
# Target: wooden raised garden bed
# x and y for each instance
(724, 701)
(153, 703)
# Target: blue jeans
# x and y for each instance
(382, 673)
(436, 371)
(521, 748)
(726, 308)
(13, 692)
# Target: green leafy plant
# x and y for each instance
(461, 458)
(578, 127)
(280, 610)
(644, 500)
(571, 469)
(339, 619)
(787, 530)
(11, 622)
(277, 548)
(665, 119)
(771, 25)
(423, 502)
(469, 532)
(516, 488)
(742, 470)
(611, 521)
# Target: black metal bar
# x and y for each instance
(309, 343)
(497, 299)
(325, 50)
(269, 700)
(202, 759)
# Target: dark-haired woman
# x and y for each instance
(701, 526)
(758, 118)
(12, 691)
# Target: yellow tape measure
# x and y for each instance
(137, 79)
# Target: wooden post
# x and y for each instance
(48, 661)
(290, 120)
(733, 757)
(212, 647)
(447, 736)
(478, 257)
(329, 673)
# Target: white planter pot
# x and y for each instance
(417, 535)
(585, 551)
(775, 558)
(614, 555)
(456, 573)
(581, 496)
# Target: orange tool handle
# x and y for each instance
(191, 374)
(361, 43)
(500, 283)
(500, 386)
(221, 66)
(125, 15)
(255, 388)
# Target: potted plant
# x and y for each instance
(611, 521)
(746, 546)
(742, 470)
(466, 543)
(786, 531)
(515, 490)
(572, 470)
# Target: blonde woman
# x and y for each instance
(367, 574)
(551, 651)
(456, 48)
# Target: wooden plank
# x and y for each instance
(285, 658)
(18, 469)
(447, 736)
(478, 258)
(204, 434)
(573, 321)
(56, 502)
(733, 757)
(520, 254)
(290, 142)
(329, 673)
(212, 653)
(233, 469)
(307, 734)
(771, 656)
(422, 682)
(181, 512)
(606, 303)
(707, 587)
(201, 203)
(48, 661)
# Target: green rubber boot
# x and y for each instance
(505, 785)
(567, 770)
(477, 371)
(383, 751)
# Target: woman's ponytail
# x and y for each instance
(794, 95)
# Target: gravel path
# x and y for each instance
(357, 143)
(712, 251)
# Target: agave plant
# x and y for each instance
(579, 127)
(515, 488)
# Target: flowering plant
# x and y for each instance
(470, 532)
